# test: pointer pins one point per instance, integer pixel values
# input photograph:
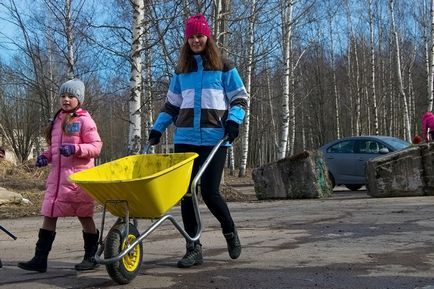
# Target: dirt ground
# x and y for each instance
(29, 181)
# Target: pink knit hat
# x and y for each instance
(197, 25)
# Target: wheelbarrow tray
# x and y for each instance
(151, 184)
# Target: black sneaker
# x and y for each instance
(234, 245)
(192, 257)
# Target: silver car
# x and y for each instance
(346, 158)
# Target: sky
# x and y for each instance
(7, 31)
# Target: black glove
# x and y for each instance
(232, 130)
(154, 137)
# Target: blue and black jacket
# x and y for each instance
(200, 102)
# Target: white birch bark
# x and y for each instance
(291, 139)
(399, 73)
(286, 33)
(372, 51)
(356, 72)
(217, 14)
(335, 86)
(248, 85)
(135, 131)
(220, 12)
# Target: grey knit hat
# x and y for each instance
(75, 87)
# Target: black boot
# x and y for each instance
(43, 247)
(90, 248)
(1, 264)
(234, 245)
(193, 256)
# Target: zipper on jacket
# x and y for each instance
(58, 175)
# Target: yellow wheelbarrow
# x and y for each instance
(135, 187)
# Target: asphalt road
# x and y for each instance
(347, 241)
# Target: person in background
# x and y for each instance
(206, 101)
(74, 142)
(417, 139)
(428, 126)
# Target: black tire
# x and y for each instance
(332, 180)
(127, 268)
(353, 187)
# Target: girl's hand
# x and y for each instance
(41, 161)
(67, 150)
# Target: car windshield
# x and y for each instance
(397, 143)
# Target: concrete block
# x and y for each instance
(300, 176)
(397, 174)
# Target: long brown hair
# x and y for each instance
(211, 54)
(67, 120)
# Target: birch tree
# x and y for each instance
(372, 63)
(134, 102)
(248, 85)
(398, 72)
(64, 16)
(353, 69)
(331, 14)
(286, 16)
(147, 93)
(69, 39)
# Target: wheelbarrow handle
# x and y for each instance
(8, 233)
(193, 192)
(146, 148)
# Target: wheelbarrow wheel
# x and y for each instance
(127, 268)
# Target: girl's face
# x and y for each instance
(68, 102)
(197, 43)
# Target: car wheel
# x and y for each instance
(332, 180)
(353, 187)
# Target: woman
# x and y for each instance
(206, 101)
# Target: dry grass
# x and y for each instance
(29, 181)
(26, 180)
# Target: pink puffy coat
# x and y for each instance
(427, 123)
(63, 198)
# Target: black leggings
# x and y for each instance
(210, 183)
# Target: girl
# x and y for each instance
(206, 100)
(73, 144)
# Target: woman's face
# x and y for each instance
(68, 102)
(197, 43)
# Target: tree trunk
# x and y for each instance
(335, 87)
(135, 131)
(372, 50)
(248, 84)
(69, 39)
(399, 73)
(286, 40)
